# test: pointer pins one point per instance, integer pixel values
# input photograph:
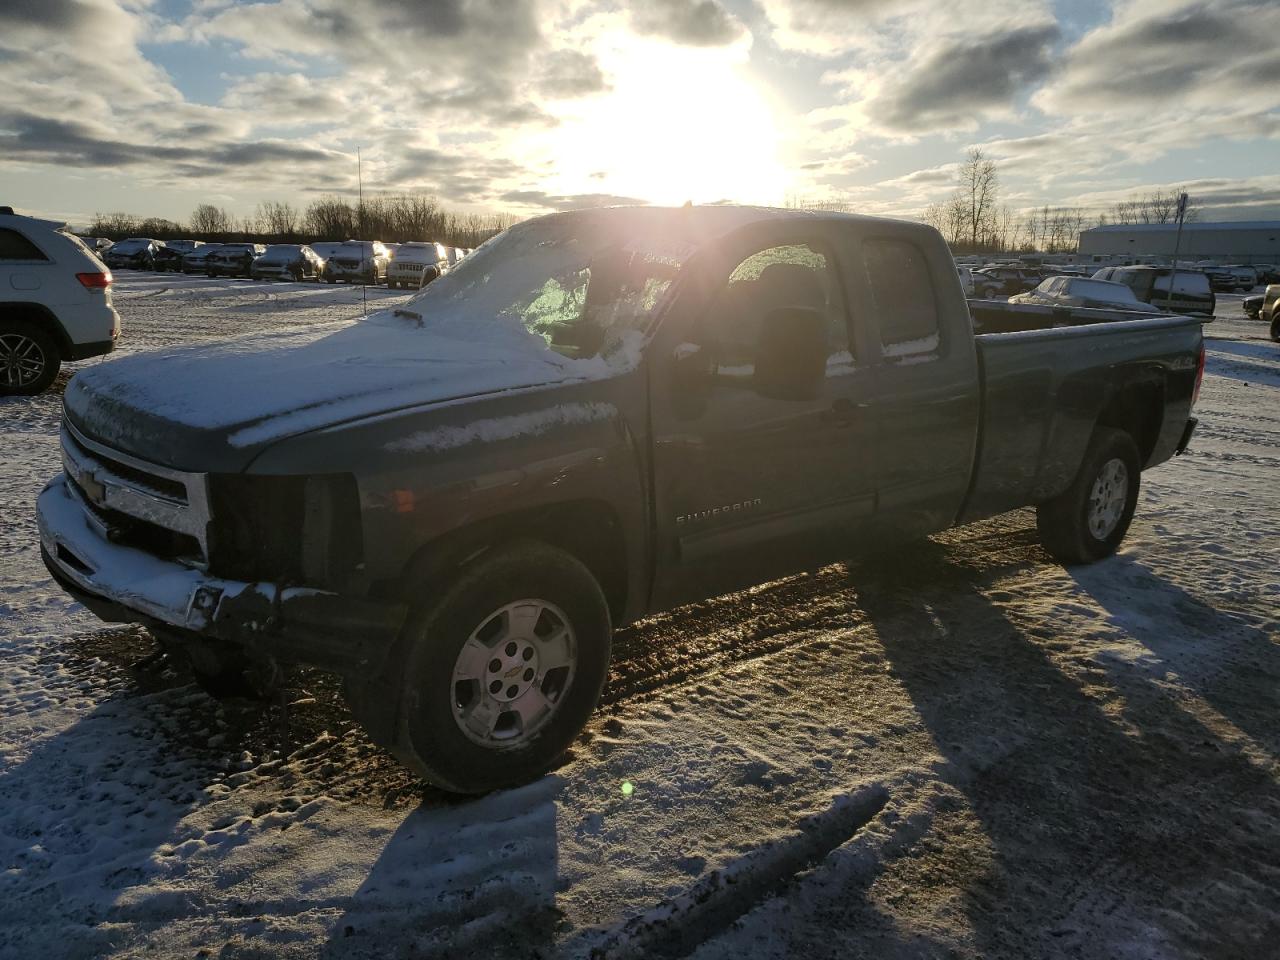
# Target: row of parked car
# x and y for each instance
(399, 265)
(1139, 286)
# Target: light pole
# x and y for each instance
(1177, 247)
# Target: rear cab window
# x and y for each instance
(904, 299)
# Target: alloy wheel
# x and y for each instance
(22, 361)
(1107, 498)
(512, 674)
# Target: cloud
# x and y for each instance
(826, 28)
(1179, 57)
(956, 81)
(560, 202)
(40, 139)
(697, 23)
(566, 74)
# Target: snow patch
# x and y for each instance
(503, 428)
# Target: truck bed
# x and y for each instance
(1000, 316)
(1045, 389)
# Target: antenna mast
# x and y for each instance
(364, 290)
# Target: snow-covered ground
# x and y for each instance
(959, 750)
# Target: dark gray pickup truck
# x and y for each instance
(595, 416)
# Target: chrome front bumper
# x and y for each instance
(78, 550)
(122, 584)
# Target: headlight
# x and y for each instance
(304, 531)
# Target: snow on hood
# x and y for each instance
(258, 389)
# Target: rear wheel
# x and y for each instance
(504, 670)
(1088, 521)
(29, 358)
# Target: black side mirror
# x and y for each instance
(791, 355)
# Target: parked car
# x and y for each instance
(1222, 278)
(979, 284)
(1269, 312)
(288, 261)
(55, 303)
(1192, 293)
(1246, 276)
(233, 259)
(609, 413)
(1006, 281)
(1081, 292)
(325, 249)
(96, 245)
(170, 256)
(197, 260)
(1252, 306)
(417, 264)
(136, 253)
(357, 261)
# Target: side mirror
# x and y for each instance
(791, 355)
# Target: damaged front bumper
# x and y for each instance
(122, 584)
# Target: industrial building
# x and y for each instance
(1244, 241)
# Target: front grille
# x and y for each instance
(157, 509)
(348, 264)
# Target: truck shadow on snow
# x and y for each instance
(1112, 812)
(1233, 664)
(106, 826)
(1115, 817)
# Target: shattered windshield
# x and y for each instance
(581, 285)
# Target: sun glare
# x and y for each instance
(694, 128)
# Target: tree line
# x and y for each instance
(392, 219)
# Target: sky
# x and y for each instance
(154, 106)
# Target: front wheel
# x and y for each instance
(1088, 521)
(504, 670)
(29, 359)
(1275, 325)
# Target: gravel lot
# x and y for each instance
(959, 750)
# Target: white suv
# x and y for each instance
(55, 303)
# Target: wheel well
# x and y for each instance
(587, 529)
(1138, 409)
(41, 316)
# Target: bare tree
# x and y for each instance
(160, 228)
(208, 220)
(278, 219)
(114, 225)
(979, 189)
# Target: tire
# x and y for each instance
(29, 359)
(560, 616)
(1087, 522)
(1275, 325)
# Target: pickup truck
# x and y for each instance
(596, 416)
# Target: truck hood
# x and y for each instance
(214, 406)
